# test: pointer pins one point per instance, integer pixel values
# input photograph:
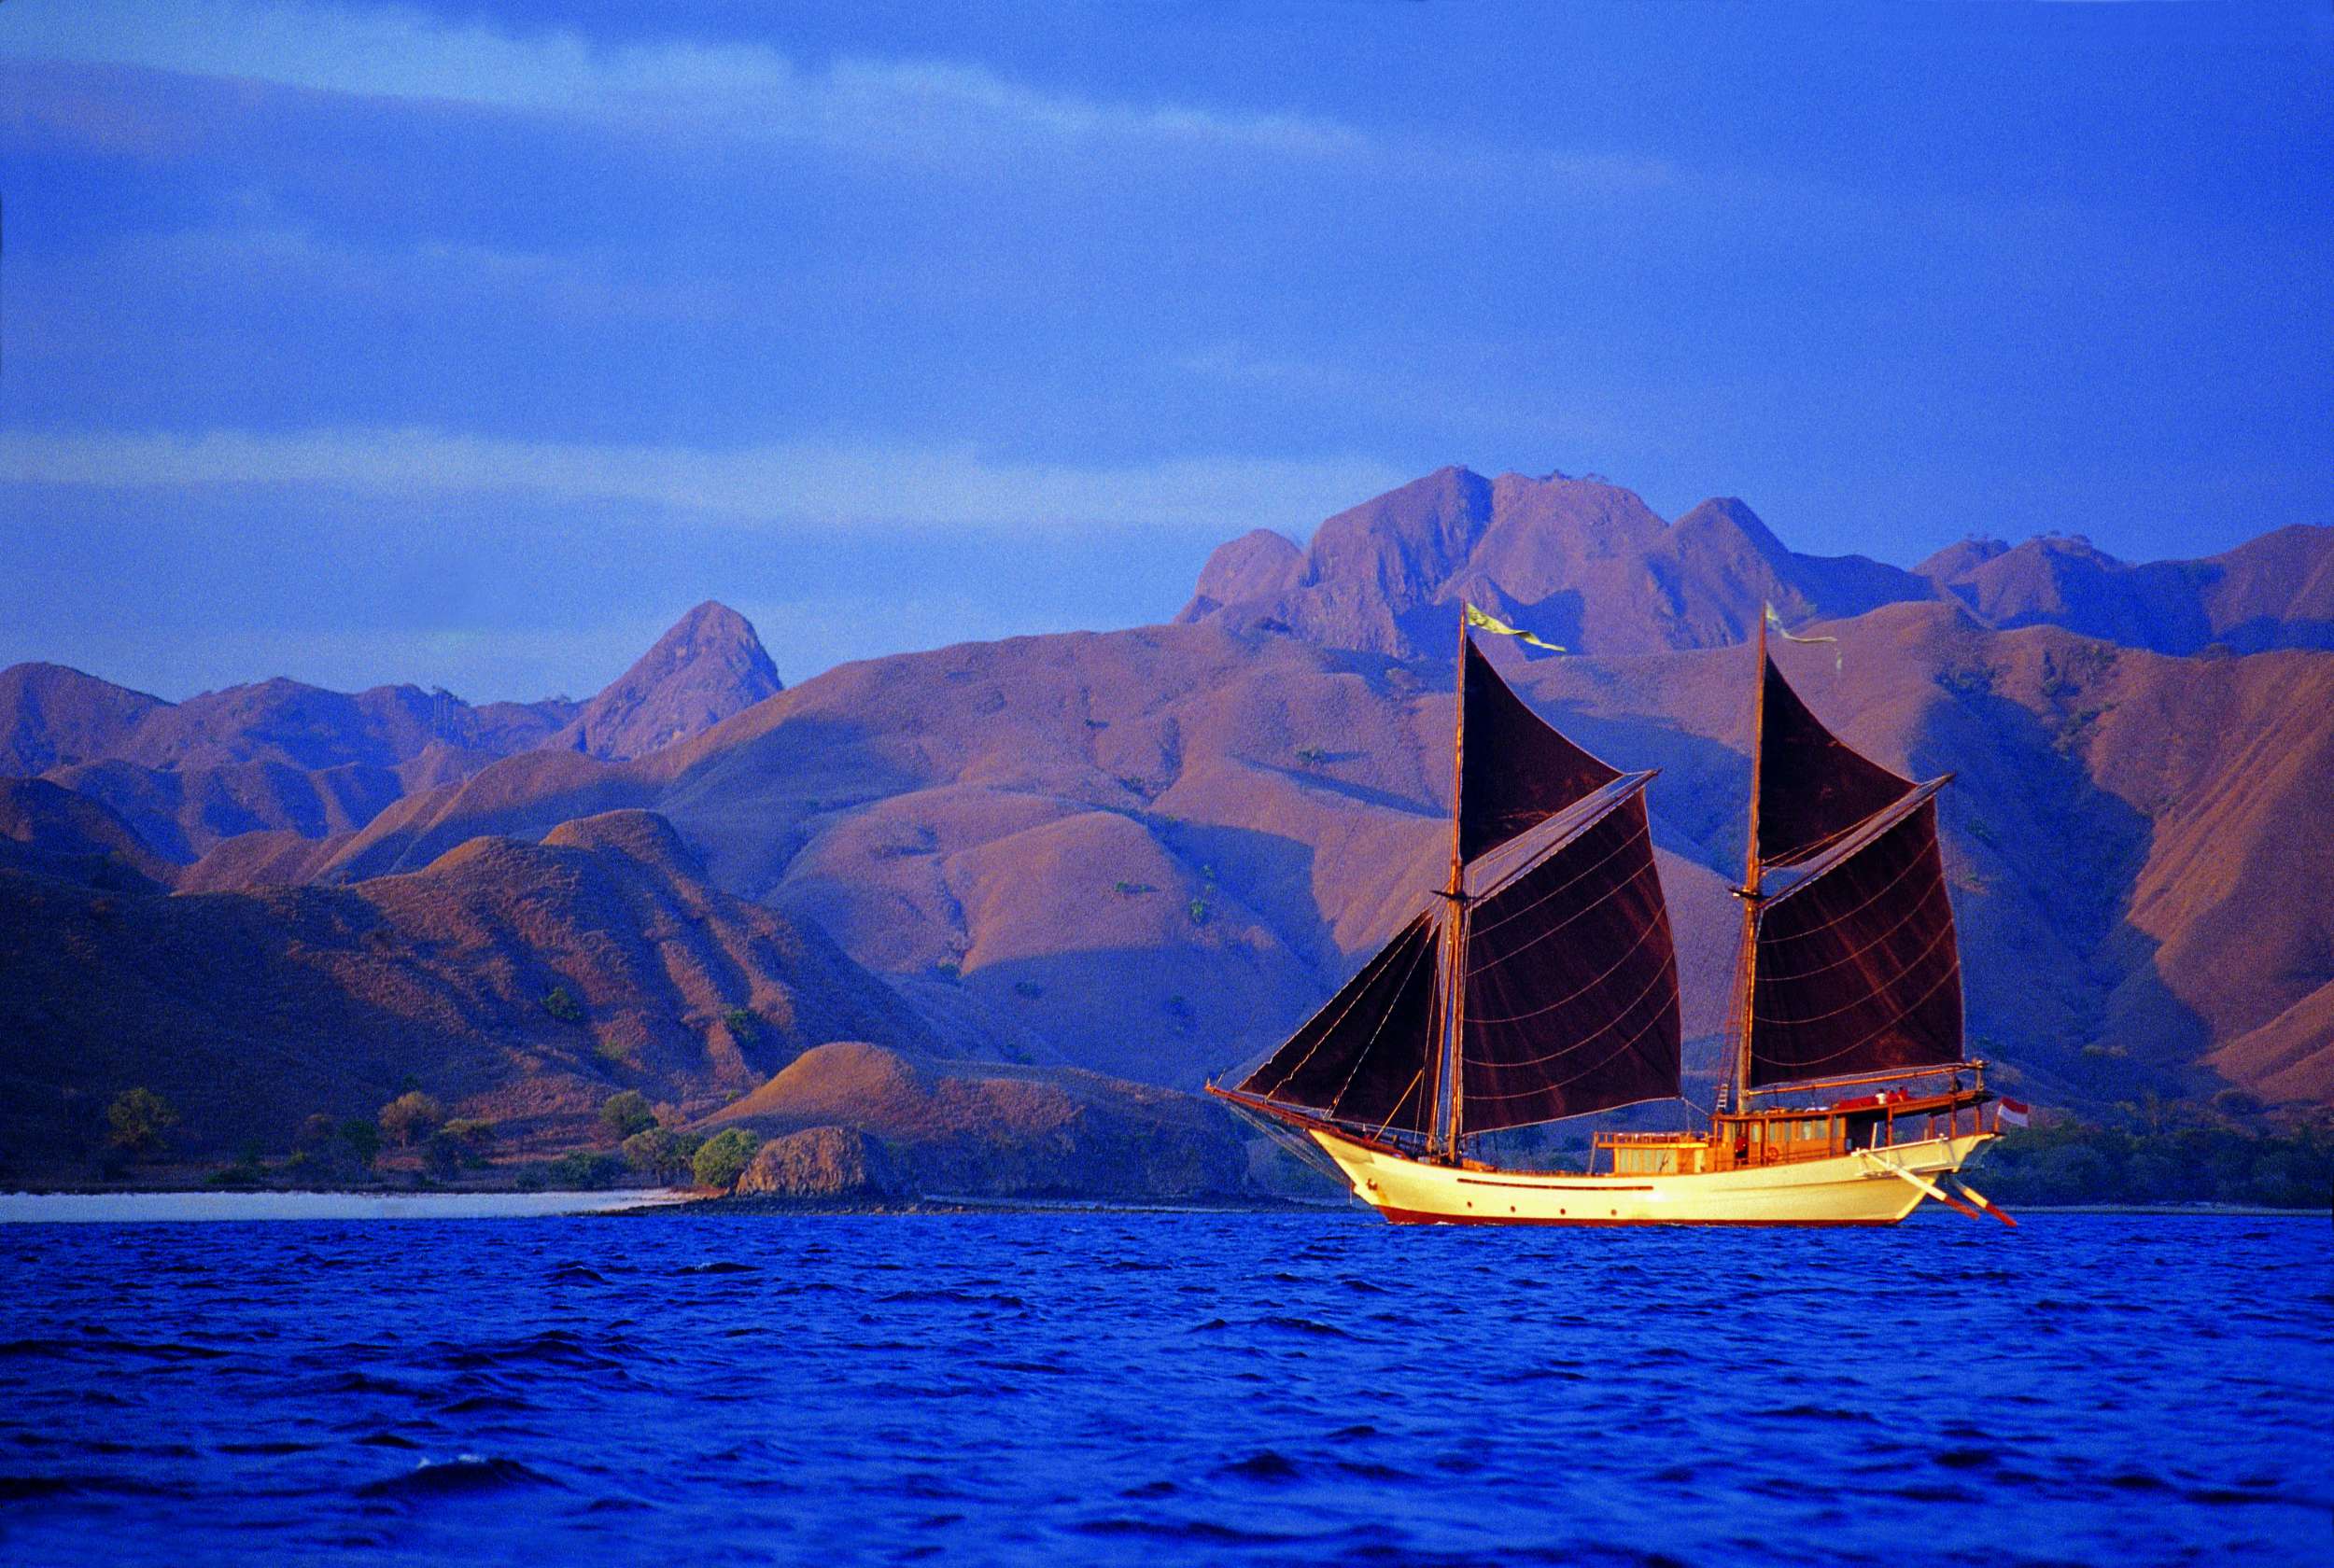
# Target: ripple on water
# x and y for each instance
(1174, 1390)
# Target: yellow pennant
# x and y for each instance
(1493, 624)
(1777, 622)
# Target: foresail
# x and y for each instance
(1572, 982)
(1857, 968)
(1362, 1060)
(1515, 770)
(1812, 786)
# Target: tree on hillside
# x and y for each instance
(661, 1154)
(137, 1120)
(411, 1117)
(724, 1158)
(363, 1140)
(625, 1114)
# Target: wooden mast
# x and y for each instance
(1447, 1074)
(1749, 965)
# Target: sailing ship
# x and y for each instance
(1540, 982)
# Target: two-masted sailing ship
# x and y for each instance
(1540, 982)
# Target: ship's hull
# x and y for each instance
(1838, 1190)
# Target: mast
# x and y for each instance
(1449, 1088)
(1749, 967)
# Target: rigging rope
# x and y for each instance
(1917, 908)
(1643, 833)
(1363, 1055)
(1928, 947)
(1667, 971)
(1359, 989)
(1600, 1063)
(1952, 972)
(1627, 953)
(1879, 893)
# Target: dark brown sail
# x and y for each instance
(1811, 786)
(1858, 970)
(1362, 1059)
(1515, 770)
(1572, 993)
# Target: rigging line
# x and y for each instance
(1785, 859)
(1643, 830)
(1614, 891)
(1371, 1044)
(1627, 953)
(1607, 1061)
(1415, 1079)
(1667, 971)
(1918, 908)
(1861, 837)
(1906, 969)
(1530, 856)
(1360, 986)
(1918, 862)
(1951, 972)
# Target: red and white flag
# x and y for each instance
(2015, 1113)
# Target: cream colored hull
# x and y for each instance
(1845, 1189)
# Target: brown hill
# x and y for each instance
(2273, 592)
(960, 1129)
(707, 666)
(252, 1010)
(1150, 853)
(282, 757)
(1584, 563)
(55, 716)
(47, 828)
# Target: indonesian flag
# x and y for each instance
(2014, 1112)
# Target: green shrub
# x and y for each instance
(724, 1157)
(1199, 912)
(625, 1114)
(444, 1154)
(583, 1170)
(473, 1135)
(410, 1118)
(137, 1119)
(661, 1154)
(363, 1140)
(561, 1005)
(744, 1028)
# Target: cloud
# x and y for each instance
(839, 485)
(729, 88)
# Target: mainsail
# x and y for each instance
(1551, 949)
(1571, 979)
(1852, 963)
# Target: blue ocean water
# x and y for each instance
(687, 1389)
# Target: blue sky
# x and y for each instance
(471, 345)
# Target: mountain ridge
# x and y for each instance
(1148, 853)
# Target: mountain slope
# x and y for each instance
(55, 716)
(252, 1010)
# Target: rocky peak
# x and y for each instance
(710, 665)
